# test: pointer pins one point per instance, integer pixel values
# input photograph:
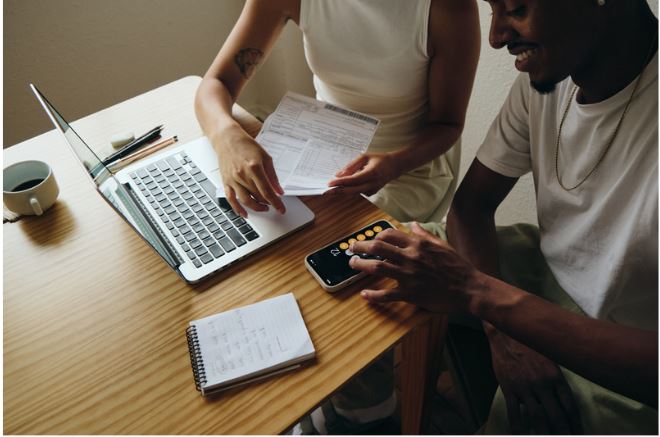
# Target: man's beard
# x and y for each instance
(543, 87)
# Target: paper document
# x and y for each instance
(310, 141)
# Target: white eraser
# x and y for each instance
(120, 140)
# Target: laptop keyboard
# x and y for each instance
(182, 196)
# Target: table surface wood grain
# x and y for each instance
(94, 320)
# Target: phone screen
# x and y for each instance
(331, 262)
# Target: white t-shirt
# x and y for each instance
(601, 239)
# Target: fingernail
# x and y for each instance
(363, 293)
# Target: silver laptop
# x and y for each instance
(170, 200)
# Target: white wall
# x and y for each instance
(86, 55)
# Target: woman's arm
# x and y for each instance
(454, 44)
(453, 48)
(247, 170)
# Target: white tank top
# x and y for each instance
(371, 56)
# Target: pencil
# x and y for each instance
(136, 144)
(146, 151)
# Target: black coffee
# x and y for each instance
(27, 185)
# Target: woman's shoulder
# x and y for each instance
(447, 17)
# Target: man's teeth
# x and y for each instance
(524, 55)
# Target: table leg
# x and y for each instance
(421, 350)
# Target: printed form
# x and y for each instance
(310, 141)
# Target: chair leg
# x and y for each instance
(467, 355)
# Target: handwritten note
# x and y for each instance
(253, 340)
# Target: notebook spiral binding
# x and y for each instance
(196, 357)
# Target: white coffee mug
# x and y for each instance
(29, 187)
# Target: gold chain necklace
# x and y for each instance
(616, 130)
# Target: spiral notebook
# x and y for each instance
(248, 343)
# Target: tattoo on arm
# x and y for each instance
(247, 60)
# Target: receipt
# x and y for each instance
(310, 141)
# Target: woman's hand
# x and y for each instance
(366, 174)
(248, 174)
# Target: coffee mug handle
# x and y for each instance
(35, 206)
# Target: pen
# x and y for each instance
(135, 144)
(146, 151)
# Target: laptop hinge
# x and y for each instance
(171, 251)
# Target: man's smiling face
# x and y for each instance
(551, 39)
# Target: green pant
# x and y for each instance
(601, 411)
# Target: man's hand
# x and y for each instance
(429, 272)
(538, 399)
(366, 174)
(248, 174)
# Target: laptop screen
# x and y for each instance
(95, 168)
(121, 197)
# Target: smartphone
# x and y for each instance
(330, 265)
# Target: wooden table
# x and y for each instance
(94, 320)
